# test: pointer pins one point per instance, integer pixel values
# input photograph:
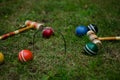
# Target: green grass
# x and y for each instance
(50, 62)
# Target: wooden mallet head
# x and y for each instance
(94, 38)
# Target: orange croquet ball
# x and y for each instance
(1, 58)
(25, 55)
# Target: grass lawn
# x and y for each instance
(50, 61)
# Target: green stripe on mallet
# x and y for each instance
(91, 48)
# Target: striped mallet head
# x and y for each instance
(36, 25)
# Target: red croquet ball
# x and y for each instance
(47, 32)
(25, 55)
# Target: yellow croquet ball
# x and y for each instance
(1, 58)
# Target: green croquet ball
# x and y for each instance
(91, 48)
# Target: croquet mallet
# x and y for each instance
(93, 36)
(28, 25)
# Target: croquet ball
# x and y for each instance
(1, 58)
(47, 32)
(25, 55)
(91, 48)
(93, 27)
(81, 30)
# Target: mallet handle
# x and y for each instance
(15, 32)
(109, 38)
(29, 24)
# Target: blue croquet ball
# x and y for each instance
(81, 30)
(91, 48)
(93, 27)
